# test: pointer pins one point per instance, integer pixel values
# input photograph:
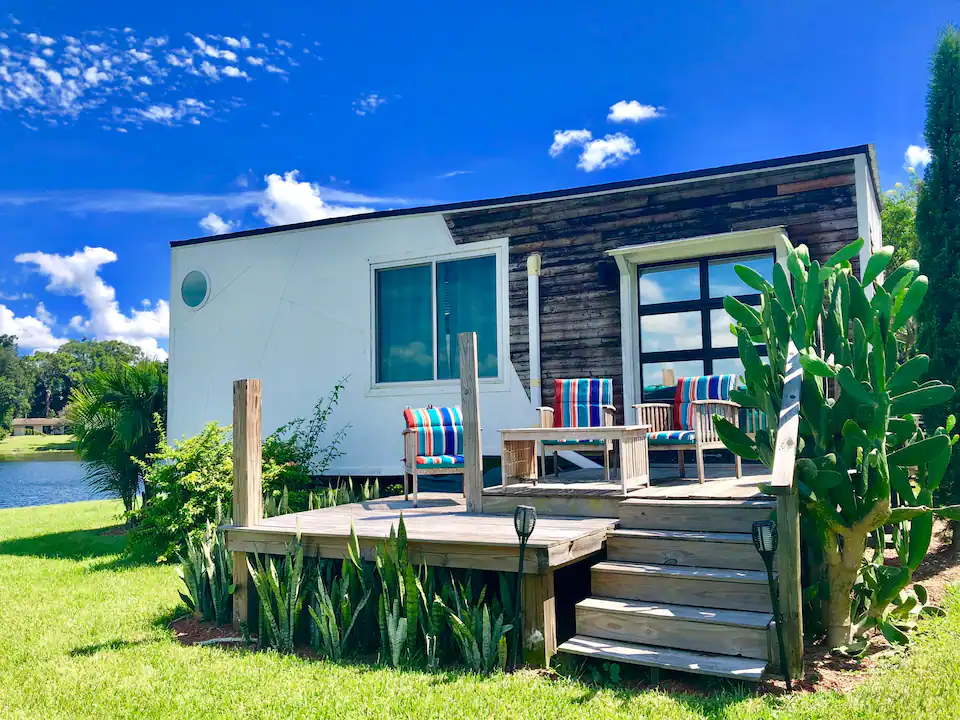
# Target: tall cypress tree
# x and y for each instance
(938, 236)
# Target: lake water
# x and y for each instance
(44, 482)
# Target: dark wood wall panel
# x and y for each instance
(580, 301)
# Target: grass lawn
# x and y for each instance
(37, 447)
(83, 635)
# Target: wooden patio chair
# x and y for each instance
(432, 444)
(687, 422)
(581, 402)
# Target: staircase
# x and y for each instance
(682, 589)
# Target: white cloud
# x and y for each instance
(368, 104)
(606, 152)
(114, 76)
(32, 332)
(562, 139)
(43, 315)
(231, 71)
(216, 225)
(13, 297)
(289, 200)
(78, 275)
(632, 111)
(453, 173)
(917, 157)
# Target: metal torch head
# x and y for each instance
(765, 537)
(524, 520)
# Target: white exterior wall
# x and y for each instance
(295, 309)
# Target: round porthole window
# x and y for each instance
(194, 289)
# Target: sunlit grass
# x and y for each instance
(36, 447)
(83, 635)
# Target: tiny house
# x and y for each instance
(622, 280)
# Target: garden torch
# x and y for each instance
(765, 541)
(524, 520)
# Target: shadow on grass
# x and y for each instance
(115, 644)
(701, 694)
(68, 545)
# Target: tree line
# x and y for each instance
(39, 385)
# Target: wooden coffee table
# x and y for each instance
(519, 454)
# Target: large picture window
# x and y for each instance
(420, 311)
(684, 329)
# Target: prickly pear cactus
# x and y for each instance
(861, 444)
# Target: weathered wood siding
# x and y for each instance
(579, 286)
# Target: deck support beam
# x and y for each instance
(539, 616)
(470, 407)
(247, 481)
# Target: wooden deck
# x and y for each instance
(440, 530)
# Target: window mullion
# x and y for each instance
(706, 341)
(435, 320)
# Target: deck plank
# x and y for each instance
(440, 529)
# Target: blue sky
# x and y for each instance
(124, 125)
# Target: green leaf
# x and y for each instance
(848, 252)
(915, 400)
(910, 372)
(796, 265)
(919, 452)
(781, 288)
(752, 278)
(900, 514)
(734, 438)
(815, 366)
(849, 384)
(911, 268)
(743, 314)
(948, 512)
(877, 264)
(911, 301)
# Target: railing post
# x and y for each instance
(788, 515)
(470, 407)
(247, 486)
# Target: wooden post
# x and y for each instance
(539, 616)
(788, 514)
(470, 406)
(247, 489)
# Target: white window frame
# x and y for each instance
(498, 248)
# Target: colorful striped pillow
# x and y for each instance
(702, 387)
(439, 430)
(579, 402)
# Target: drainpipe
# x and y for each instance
(533, 316)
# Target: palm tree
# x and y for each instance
(112, 415)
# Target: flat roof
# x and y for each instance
(867, 150)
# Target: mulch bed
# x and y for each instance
(189, 630)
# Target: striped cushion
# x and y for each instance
(432, 461)
(439, 430)
(579, 402)
(671, 437)
(703, 387)
(573, 442)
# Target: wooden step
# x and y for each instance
(701, 515)
(738, 668)
(684, 627)
(682, 547)
(700, 586)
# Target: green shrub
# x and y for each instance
(189, 479)
(293, 454)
